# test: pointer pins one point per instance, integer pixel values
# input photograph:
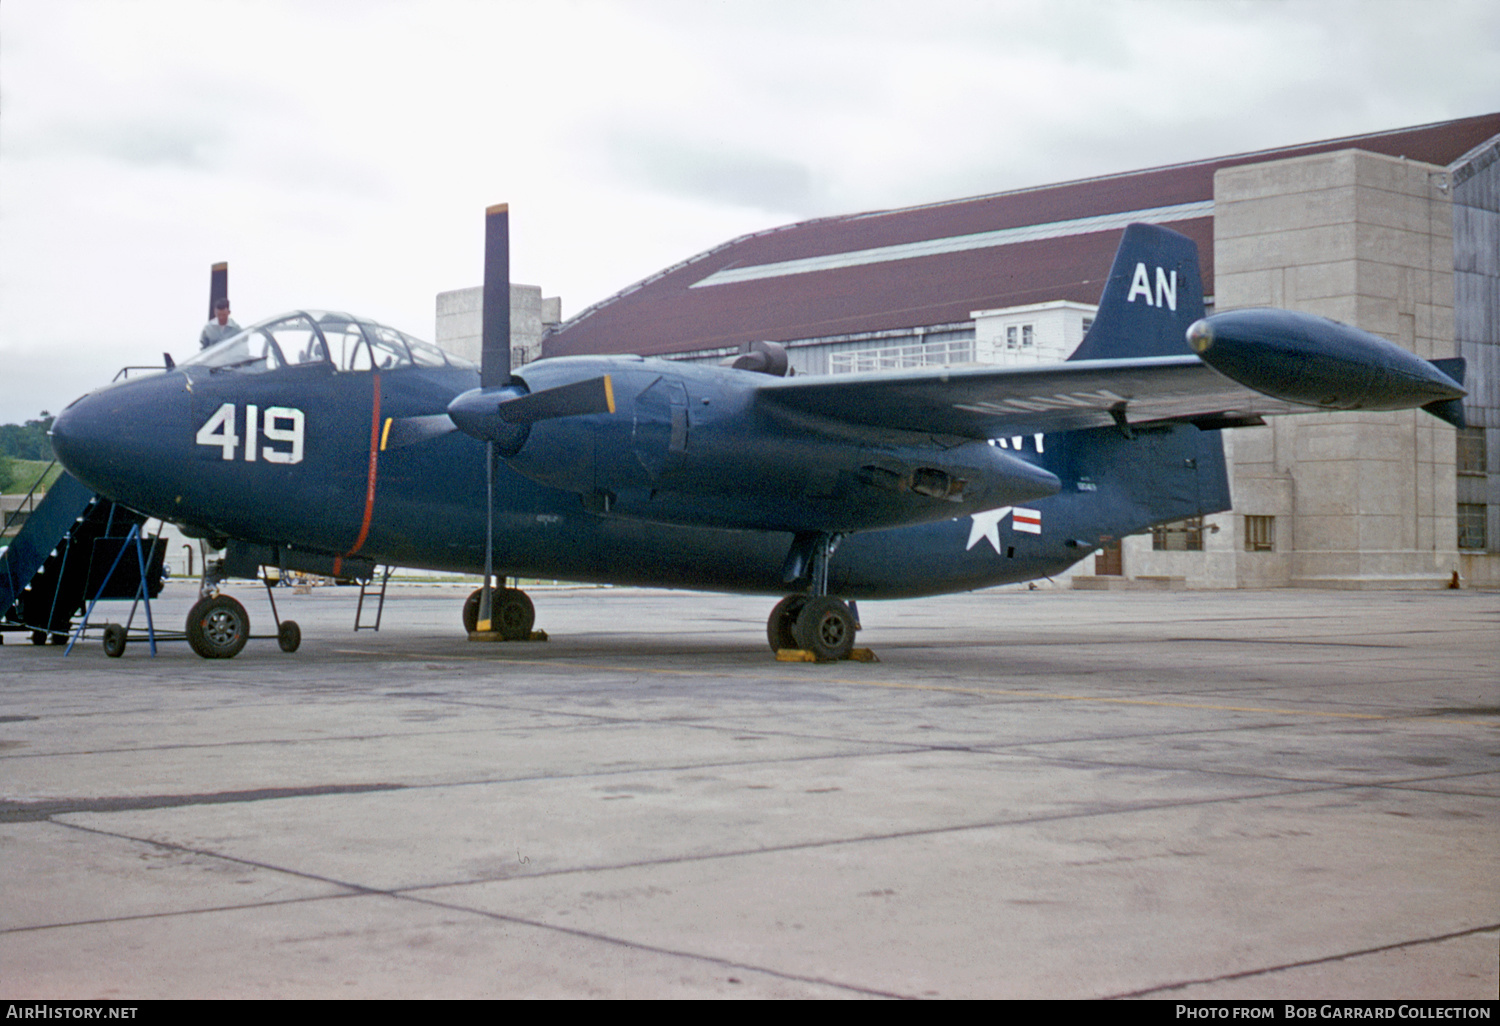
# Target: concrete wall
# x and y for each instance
(1476, 280)
(1213, 567)
(1361, 500)
(460, 319)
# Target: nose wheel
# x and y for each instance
(217, 627)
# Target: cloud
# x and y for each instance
(719, 173)
(340, 154)
(145, 142)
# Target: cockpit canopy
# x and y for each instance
(318, 337)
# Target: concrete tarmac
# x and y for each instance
(1175, 795)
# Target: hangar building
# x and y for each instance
(1397, 232)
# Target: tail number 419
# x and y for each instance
(276, 425)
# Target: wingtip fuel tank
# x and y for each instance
(1301, 358)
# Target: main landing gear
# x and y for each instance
(511, 617)
(815, 623)
(819, 624)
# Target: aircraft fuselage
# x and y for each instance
(299, 459)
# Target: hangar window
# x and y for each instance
(1178, 536)
(1470, 450)
(1471, 517)
(1020, 336)
(1260, 534)
(1473, 509)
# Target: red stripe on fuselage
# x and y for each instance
(364, 526)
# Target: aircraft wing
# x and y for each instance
(990, 402)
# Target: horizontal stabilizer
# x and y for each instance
(1450, 411)
(1454, 366)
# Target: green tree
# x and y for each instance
(27, 441)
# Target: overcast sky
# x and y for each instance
(340, 154)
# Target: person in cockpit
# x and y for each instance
(221, 327)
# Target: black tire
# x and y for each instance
(38, 637)
(289, 636)
(825, 627)
(779, 626)
(471, 611)
(114, 640)
(513, 615)
(218, 627)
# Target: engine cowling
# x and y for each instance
(691, 447)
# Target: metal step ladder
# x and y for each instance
(368, 590)
(46, 570)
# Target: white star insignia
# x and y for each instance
(987, 526)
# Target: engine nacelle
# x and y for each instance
(686, 446)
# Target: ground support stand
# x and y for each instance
(116, 635)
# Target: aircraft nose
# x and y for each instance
(76, 436)
(117, 440)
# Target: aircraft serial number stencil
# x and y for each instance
(263, 429)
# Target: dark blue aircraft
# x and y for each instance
(328, 443)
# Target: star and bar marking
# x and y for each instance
(986, 525)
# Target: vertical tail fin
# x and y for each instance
(1154, 293)
(1164, 472)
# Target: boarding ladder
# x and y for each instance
(69, 539)
(367, 590)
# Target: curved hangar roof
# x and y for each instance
(936, 264)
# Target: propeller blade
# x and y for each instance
(594, 395)
(218, 286)
(403, 431)
(503, 415)
(494, 352)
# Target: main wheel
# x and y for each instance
(471, 610)
(513, 614)
(288, 636)
(114, 640)
(825, 627)
(218, 627)
(779, 626)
